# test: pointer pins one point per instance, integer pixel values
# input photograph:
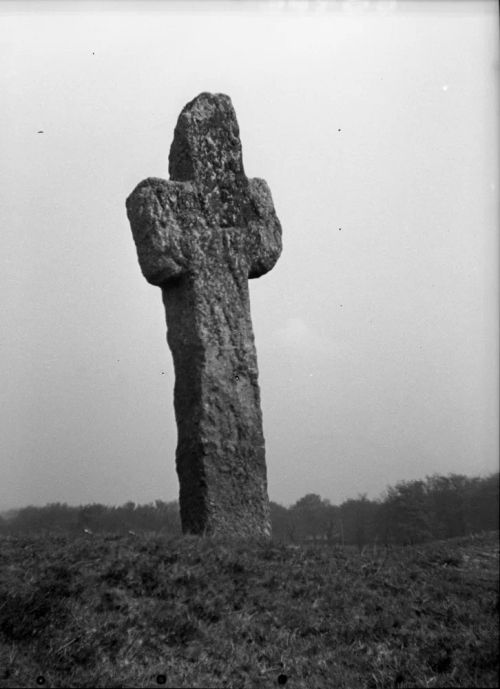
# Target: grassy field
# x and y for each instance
(144, 611)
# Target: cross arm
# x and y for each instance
(156, 209)
(264, 234)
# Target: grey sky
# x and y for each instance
(375, 125)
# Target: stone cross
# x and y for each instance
(199, 237)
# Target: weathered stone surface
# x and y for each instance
(199, 237)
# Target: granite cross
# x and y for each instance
(199, 237)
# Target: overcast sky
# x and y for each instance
(375, 126)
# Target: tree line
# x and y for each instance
(410, 512)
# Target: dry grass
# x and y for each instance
(109, 611)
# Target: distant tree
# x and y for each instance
(93, 517)
(448, 504)
(334, 525)
(483, 503)
(358, 519)
(146, 518)
(168, 517)
(281, 524)
(33, 519)
(404, 516)
(311, 517)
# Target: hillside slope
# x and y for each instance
(142, 611)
